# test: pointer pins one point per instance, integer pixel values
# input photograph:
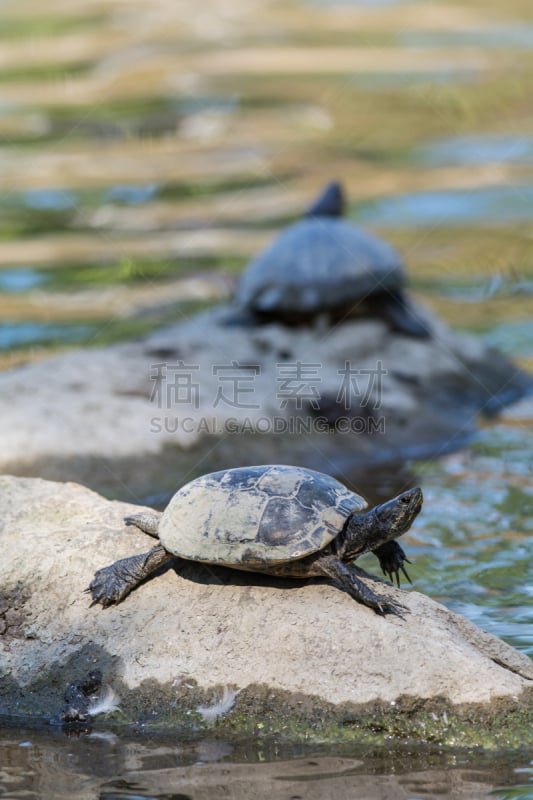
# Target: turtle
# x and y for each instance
(324, 266)
(287, 521)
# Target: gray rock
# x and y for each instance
(214, 628)
(208, 392)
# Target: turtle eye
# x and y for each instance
(405, 499)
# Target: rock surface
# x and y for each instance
(206, 394)
(195, 625)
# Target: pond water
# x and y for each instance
(19, 280)
(36, 765)
(497, 36)
(478, 149)
(484, 206)
(123, 128)
(16, 334)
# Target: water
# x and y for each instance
(363, 3)
(482, 206)
(515, 338)
(20, 280)
(497, 36)
(36, 766)
(477, 550)
(478, 149)
(448, 73)
(49, 199)
(119, 135)
(132, 195)
(20, 334)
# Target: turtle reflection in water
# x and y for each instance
(325, 267)
(281, 520)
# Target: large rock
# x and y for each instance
(205, 391)
(183, 636)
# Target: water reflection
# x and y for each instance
(49, 199)
(367, 3)
(427, 79)
(500, 36)
(20, 280)
(490, 205)
(37, 765)
(477, 149)
(18, 334)
(132, 194)
(514, 337)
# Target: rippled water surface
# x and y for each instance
(143, 144)
(38, 766)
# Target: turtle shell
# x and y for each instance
(317, 264)
(256, 516)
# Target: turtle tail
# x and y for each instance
(148, 523)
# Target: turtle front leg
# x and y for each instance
(111, 584)
(391, 559)
(349, 580)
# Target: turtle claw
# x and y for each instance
(392, 559)
(106, 587)
(405, 573)
(394, 574)
(390, 607)
(111, 584)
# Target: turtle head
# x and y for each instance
(397, 515)
(381, 524)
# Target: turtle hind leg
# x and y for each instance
(349, 580)
(111, 584)
(148, 523)
(402, 316)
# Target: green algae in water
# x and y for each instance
(36, 212)
(132, 271)
(46, 72)
(43, 26)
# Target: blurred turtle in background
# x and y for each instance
(324, 266)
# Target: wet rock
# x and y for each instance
(305, 642)
(77, 697)
(217, 393)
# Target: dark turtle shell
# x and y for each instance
(256, 515)
(316, 265)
